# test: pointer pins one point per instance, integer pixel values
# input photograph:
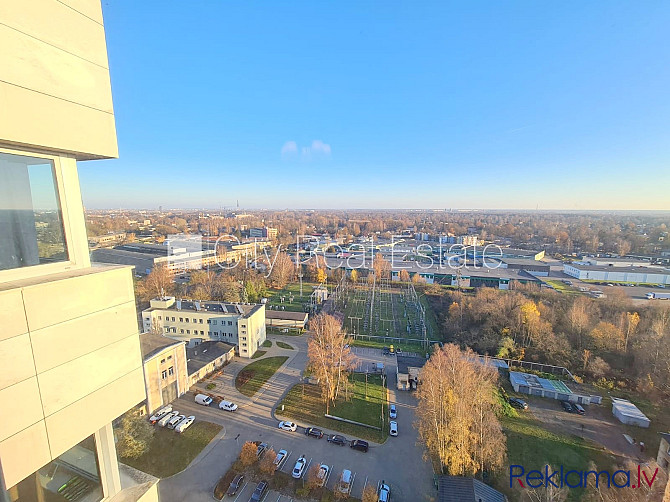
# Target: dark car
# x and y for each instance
(386, 351)
(261, 449)
(259, 492)
(235, 485)
(579, 409)
(337, 439)
(517, 403)
(360, 445)
(567, 406)
(314, 432)
(398, 351)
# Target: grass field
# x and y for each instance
(291, 295)
(561, 287)
(284, 345)
(170, 452)
(254, 375)
(406, 347)
(306, 406)
(267, 344)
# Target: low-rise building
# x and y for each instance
(627, 274)
(407, 371)
(286, 319)
(194, 322)
(464, 489)
(629, 414)
(205, 358)
(165, 373)
(663, 458)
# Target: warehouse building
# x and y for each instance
(629, 414)
(605, 273)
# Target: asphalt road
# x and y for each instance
(398, 462)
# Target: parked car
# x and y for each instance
(164, 421)
(567, 406)
(322, 475)
(299, 467)
(344, 483)
(173, 422)
(227, 406)
(279, 459)
(517, 403)
(360, 445)
(579, 409)
(398, 351)
(160, 413)
(393, 413)
(610, 284)
(393, 428)
(386, 351)
(235, 485)
(261, 449)
(337, 439)
(383, 492)
(185, 424)
(288, 426)
(314, 432)
(259, 492)
(203, 399)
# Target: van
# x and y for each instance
(203, 399)
(344, 484)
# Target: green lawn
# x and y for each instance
(406, 347)
(259, 353)
(531, 445)
(170, 452)
(561, 287)
(267, 344)
(254, 375)
(284, 345)
(291, 290)
(308, 407)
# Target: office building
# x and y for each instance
(195, 322)
(69, 343)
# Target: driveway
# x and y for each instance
(399, 461)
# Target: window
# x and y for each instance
(195, 320)
(244, 338)
(160, 318)
(162, 361)
(72, 476)
(188, 331)
(171, 370)
(181, 331)
(31, 223)
(230, 323)
(200, 321)
(187, 319)
(202, 332)
(181, 319)
(244, 345)
(209, 321)
(169, 357)
(163, 374)
(173, 319)
(213, 321)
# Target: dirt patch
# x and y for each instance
(244, 376)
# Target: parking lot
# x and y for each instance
(398, 461)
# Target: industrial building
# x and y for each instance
(626, 274)
(534, 267)
(194, 322)
(629, 414)
(527, 383)
(407, 371)
(284, 319)
(69, 344)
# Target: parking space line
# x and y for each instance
(285, 462)
(241, 491)
(351, 486)
(307, 467)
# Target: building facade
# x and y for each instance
(605, 273)
(195, 322)
(69, 344)
(165, 369)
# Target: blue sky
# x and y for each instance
(354, 104)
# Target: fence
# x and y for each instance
(544, 368)
(393, 339)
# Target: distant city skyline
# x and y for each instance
(507, 105)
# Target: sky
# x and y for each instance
(359, 104)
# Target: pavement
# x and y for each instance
(399, 461)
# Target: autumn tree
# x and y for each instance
(329, 356)
(321, 275)
(267, 463)
(369, 494)
(600, 492)
(133, 434)
(607, 336)
(282, 270)
(629, 321)
(457, 409)
(404, 275)
(312, 477)
(248, 453)
(382, 267)
(157, 283)
(598, 367)
(353, 276)
(418, 279)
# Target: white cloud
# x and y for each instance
(319, 147)
(289, 148)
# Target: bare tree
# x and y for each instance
(157, 283)
(283, 270)
(457, 412)
(267, 463)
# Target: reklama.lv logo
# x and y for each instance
(578, 479)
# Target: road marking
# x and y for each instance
(351, 486)
(285, 461)
(307, 467)
(241, 491)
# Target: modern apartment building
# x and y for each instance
(69, 343)
(194, 322)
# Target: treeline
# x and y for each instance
(609, 338)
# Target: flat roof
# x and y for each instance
(406, 362)
(523, 261)
(605, 268)
(204, 353)
(154, 344)
(462, 489)
(628, 409)
(242, 309)
(530, 380)
(286, 314)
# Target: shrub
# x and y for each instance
(211, 386)
(267, 464)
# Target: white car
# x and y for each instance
(322, 475)
(164, 421)
(393, 428)
(383, 492)
(184, 424)
(393, 412)
(299, 467)
(288, 426)
(160, 413)
(175, 421)
(203, 399)
(279, 459)
(227, 405)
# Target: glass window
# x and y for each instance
(31, 223)
(163, 374)
(171, 370)
(72, 476)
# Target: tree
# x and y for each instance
(548, 493)
(606, 336)
(329, 356)
(282, 270)
(404, 276)
(369, 494)
(457, 408)
(267, 464)
(598, 367)
(598, 491)
(353, 276)
(133, 434)
(157, 283)
(418, 279)
(248, 453)
(382, 267)
(630, 322)
(321, 276)
(312, 477)
(586, 355)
